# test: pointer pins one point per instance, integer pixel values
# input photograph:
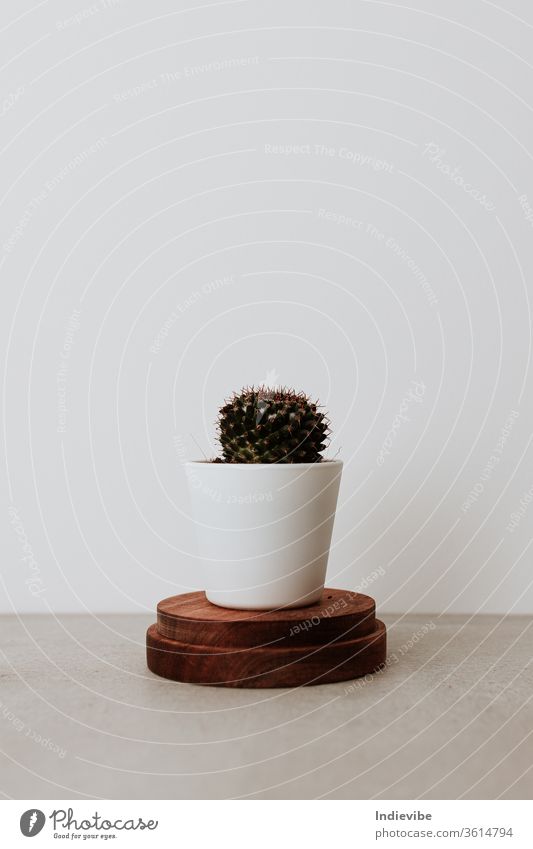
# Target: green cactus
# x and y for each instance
(266, 425)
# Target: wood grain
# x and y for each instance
(340, 614)
(265, 667)
(199, 643)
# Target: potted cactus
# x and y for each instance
(264, 510)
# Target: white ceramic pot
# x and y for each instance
(264, 530)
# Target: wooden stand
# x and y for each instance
(199, 643)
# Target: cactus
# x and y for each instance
(267, 425)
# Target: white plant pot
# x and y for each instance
(263, 530)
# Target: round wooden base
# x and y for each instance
(197, 642)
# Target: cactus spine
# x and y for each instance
(266, 425)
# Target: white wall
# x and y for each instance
(136, 171)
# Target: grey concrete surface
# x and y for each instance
(450, 717)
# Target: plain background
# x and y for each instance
(198, 196)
